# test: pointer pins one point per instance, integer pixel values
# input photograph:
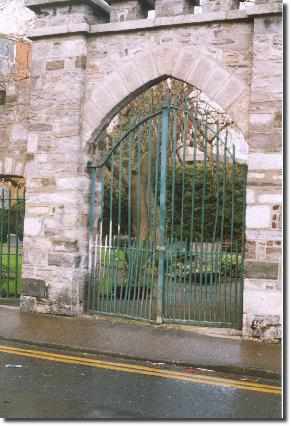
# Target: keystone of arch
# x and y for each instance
(143, 70)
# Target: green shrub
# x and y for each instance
(209, 207)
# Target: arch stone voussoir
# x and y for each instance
(202, 72)
(165, 58)
(147, 66)
(239, 112)
(115, 87)
(131, 76)
(193, 66)
(186, 61)
(230, 92)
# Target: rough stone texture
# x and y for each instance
(127, 10)
(174, 7)
(83, 73)
(216, 5)
(54, 14)
(34, 288)
(15, 63)
(264, 270)
(262, 309)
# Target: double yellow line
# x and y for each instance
(143, 370)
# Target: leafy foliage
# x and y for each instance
(231, 216)
(11, 221)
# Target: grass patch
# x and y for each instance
(10, 275)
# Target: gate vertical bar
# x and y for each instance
(163, 188)
(92, 216)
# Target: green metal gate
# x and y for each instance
(167, 223)
(12, 205)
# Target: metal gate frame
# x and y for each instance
(234, 321)
(12, 208)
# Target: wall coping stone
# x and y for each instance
(95, 4)
(147, 24)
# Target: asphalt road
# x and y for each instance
(38, 383)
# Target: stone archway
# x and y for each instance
(145, 69)
(85, 69)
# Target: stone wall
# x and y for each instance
(15, 58)
(127, 10)
(173, 7)
(84, 70)
(54, 225)
(263, 285)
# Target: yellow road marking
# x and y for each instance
(140, 369)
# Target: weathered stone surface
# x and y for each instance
(34, 288)
(258, 216)
(262, 309)
(217, 5)
(55, 65)
(32, 226)
(173, 7)
(126, 10)
(261, 270)
(81, 62)
(28, 303)
(265, 161)
(83, 70)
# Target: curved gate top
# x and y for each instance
(167, 241)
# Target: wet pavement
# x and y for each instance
(47, 389)
(32, 388)
(142, 341)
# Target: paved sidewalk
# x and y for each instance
(142, 342)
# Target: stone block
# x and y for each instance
(116, 87)
(214, 84)
(261, 250)
(146, 64)
(202, 73)
(32, 143)
(274, 253)
(32, 226)
(263, 234)
(268, 24)
(174, 7)
(127, 10)
(34, 288)
(55, 65)
(81, 62)
(62, 260)
(261, 270)
(234, 89)
(218, 5)
(251, 196)
(270, 178)
(262, 308)
(265, 161)
(19, 168)
(28, 303)
(258, 216)
(136, 79)
(165, 59)
(261, 122)
(270, 198)
(185, 64)
(72, 183)
(62, 12)
(265, 142)
(8, 166)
